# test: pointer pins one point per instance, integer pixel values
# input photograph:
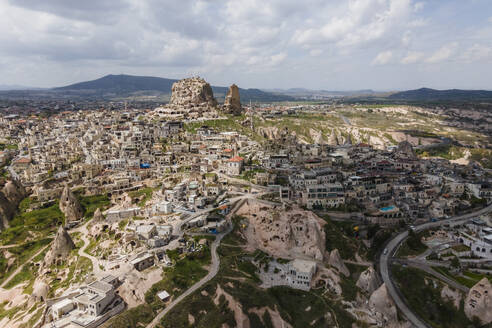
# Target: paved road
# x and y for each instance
(213, 271)
(394, 244)
(19, 268)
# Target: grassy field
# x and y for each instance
(91, 203)
(144, 193)
(36, 224)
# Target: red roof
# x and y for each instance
(227, 150)
(236, 159)
(23, 160)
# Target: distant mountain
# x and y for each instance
(426, 94)
(309, 94)
(111, 86)
(122, 84)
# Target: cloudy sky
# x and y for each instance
(317, 44)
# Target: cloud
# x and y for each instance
(412, 57)
(476, 53)
(382, 58)
(255, 43)
(443, 53)
(356, 22)
(418, 6)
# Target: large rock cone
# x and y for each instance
(232, 102)
(70, 205)
(60, 249)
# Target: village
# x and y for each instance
(166, 181)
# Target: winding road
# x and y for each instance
(385, 259)
(211, 274)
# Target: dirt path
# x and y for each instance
(83, 235)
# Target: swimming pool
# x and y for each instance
(386, 209)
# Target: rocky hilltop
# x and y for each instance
(70, 206)
(191, 92)
(191, 98)
(232, 102)
(11, 194)
(60, 249)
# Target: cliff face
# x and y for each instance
(11, 194)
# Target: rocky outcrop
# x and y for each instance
(11, 194)
(60, 249)
(382, 303)
(40, 291)
(191, 98)
(286, 234)
(405, 149)
(193, 91)
(478, 302)
(368, 280)
(70, 206)
(232, 102)
(336, 261)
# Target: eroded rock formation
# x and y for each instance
(191, 98)
(336, 261)
(232, 102)
(368, 280)
(478, 302)
(405, 149)
(11, 194)
(60, 249)
(287, 234)
(382, 303)
(192, 91)
(98, 215)
(70, 206)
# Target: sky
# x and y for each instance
(315, 44)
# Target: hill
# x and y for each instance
(111, 86)
(426, 94)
